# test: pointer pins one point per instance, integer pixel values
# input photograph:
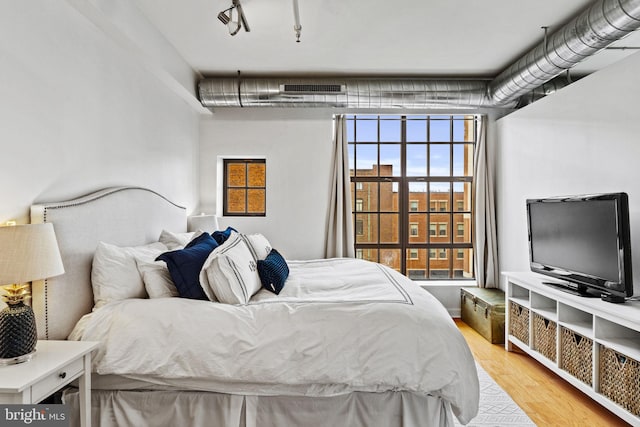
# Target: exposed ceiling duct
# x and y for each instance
(603, 23)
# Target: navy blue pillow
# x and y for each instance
(221, 236)
(273, 271)
(185, 264)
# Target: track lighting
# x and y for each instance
(226, 17)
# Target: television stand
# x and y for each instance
(590, 343)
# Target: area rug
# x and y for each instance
(496, 406)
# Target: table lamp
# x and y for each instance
(27, 253)
(204, 222)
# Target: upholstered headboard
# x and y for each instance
(123, 216)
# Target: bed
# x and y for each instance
(345, 342)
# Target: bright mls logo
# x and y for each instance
(34, 415)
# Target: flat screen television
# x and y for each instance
(583, 241)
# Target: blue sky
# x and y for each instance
(416, 153)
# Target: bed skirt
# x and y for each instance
(155, 408)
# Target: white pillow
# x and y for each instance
(157, 279)
(114, 273)
(258, 245)
(230, 273)
(175, 241)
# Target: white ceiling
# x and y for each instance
(430, 38)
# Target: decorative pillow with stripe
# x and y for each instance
(258, 245)
(230, 273)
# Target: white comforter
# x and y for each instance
(338, 326)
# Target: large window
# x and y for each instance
(411, 180)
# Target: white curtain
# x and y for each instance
(485, 236)
(339, 241)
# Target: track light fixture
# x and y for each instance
(226, 17)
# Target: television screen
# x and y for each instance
(584, 240)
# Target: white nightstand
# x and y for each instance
(54, 365)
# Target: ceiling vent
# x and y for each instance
(312, 88)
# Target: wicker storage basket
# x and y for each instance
(620, 379)
(576, 355)
(519, 322)
(544, 336)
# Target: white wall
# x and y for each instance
(84, 105)
(582, 139)
(297, 145)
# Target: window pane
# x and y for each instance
(462, 196)
(369, 228)
(417, 196)
(366, 130)
(464, 263)
(462, 222)
(389, 230)
(389, 197)
(236, 175)
(419, 224)
(390, 258)
(236, 199)
(439, 129)
(439, 263)
(257, 174)
(350, 130)
(351, 149)
(463, 128)
(367, 254)
(462, 159)
(390, 160)
(417, 160)
(389, 130)
(439, 160)
(416, 130)
(417, 263)
(368, 193)
(366, 158)
(256, 199)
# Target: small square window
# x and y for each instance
(413, 254)
(413, 229)
(413, 205)
(244, 187)
(359, 205)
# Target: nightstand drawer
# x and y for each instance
(54, 381)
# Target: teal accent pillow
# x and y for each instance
(185, 264)
(273, 272)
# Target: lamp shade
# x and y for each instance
(203, 222)
(28, 252)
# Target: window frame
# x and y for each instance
(378, 174)
(226, 161)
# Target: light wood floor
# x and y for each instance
(546, 398)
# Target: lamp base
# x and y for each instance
(16, 360)
(18, 335)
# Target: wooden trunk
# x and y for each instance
(483, 310)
